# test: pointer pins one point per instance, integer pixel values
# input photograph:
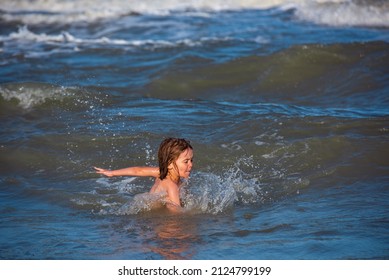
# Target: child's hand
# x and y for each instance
(105, 172)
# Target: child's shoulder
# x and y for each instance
(168, 185)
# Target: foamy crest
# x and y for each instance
(330, 12)
(25, 40)
(345, 12)
(29, 95)
(53, 11)
(35, 45)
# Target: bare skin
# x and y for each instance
(169, 185)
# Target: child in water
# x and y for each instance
(175, 158)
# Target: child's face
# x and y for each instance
(184, 163)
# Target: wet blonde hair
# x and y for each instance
(169, 151)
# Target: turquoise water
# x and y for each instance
(285, 103)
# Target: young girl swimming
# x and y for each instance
(175, 158)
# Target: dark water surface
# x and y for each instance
(285, 102)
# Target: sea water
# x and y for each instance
(286, 104)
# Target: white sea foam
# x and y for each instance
(345, 13)
(28, 95)
(330, 12)
(51, 11)
(25, 35)
(38, 45)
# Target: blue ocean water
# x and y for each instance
(285, 103)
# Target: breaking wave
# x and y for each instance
(30, 95)
(345, 13)
(30, 43)
(373, 13)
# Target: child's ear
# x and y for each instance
(172, 167)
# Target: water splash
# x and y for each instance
(203, 193)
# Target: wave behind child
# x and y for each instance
(331, 12)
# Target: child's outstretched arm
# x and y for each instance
(138, 171)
